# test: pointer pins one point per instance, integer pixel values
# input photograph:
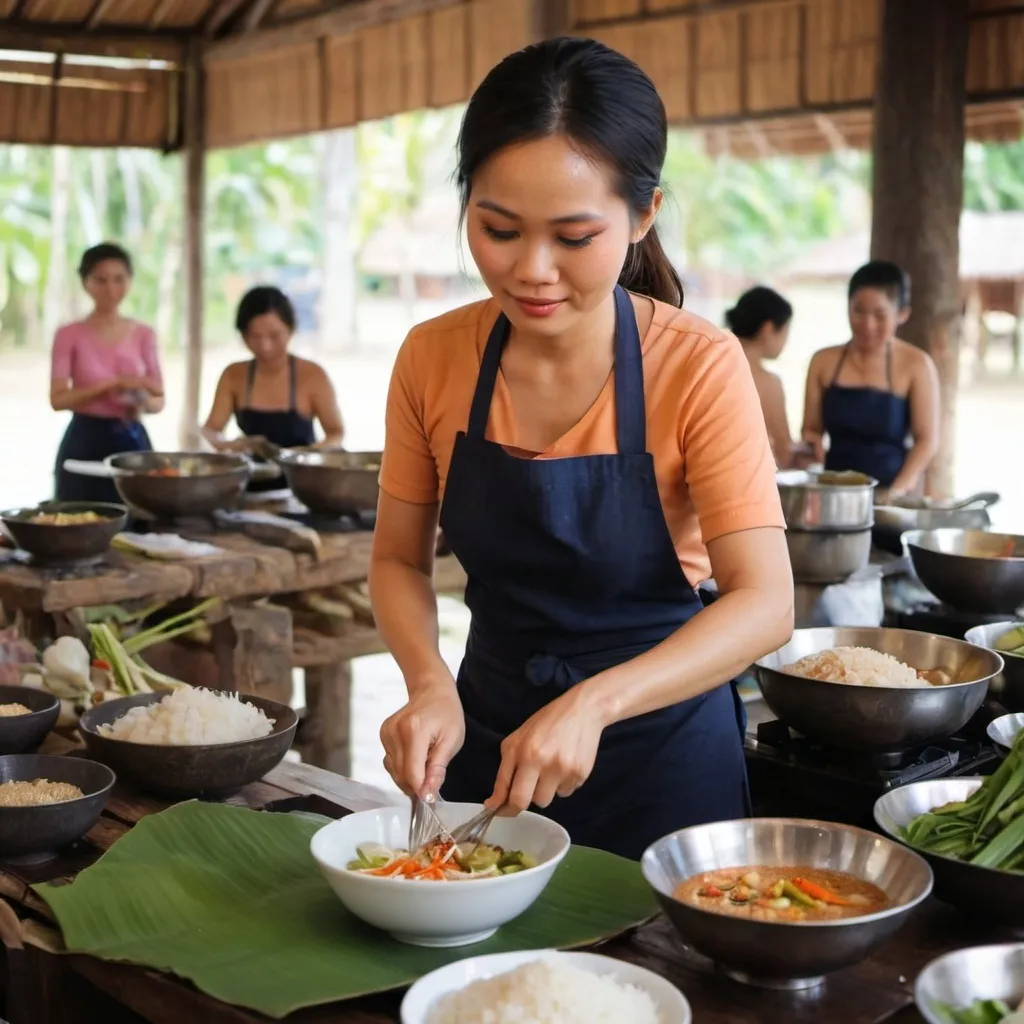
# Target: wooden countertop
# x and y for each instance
(880, 989)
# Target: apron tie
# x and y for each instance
(550, 670)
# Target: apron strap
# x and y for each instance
(291, 384)
(630, 407)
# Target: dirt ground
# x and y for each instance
(990, 442)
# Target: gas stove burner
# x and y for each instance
(791, 776)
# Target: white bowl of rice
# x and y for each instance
(544, 987)
(438, 914)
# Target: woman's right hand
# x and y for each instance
(421, 738)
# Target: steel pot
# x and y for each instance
(1008, 686)
(827, 501)
(332, 482)
(827, 557)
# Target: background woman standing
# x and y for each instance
(761, 319)
(274, 395)
(876, 398)
(593, 452)
(105, 369)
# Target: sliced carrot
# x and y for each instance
(819, 892)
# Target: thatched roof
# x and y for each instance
(991, 249)
(762, 76)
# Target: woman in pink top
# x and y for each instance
(105, 370)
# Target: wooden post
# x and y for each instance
(918, 182)
(195, 187)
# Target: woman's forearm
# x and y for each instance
(405, 610)
(917, 462)
(69, 398)
(715, 646)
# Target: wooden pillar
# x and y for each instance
(918, 182)
(195, 187)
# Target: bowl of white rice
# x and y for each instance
(544, 987)
(875, 689)
(190, 742)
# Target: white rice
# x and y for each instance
(546, 992)
(857, 666)
(191, 717)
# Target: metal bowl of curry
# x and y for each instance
(783, 902)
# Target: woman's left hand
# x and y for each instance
(551, 754)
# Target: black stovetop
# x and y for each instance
(791, 776)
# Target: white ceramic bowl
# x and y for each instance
(439, 914)
(420, 1000)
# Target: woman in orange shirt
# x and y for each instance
(593, 453)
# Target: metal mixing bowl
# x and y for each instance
(970, 569)
(985, 893)
(182, 772)
(1003, 731)
(206, 482)
(877, 718)
(779, 954)
(74, 542)
(810, 502)
(820, 556)
(36, 833)
(331, 482)
(1009, 684)
(966, 976)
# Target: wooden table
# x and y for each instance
(46, 988)
(254, 646)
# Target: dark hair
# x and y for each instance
(601, 101)
(756, 307)
(98, 254)
(887, 277)
(262, 300)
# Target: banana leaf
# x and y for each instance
(231, 900)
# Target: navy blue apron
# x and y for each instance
(92, 439)
(572, 570)
(286, 428)
(867, 427)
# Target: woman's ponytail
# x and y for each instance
(649, 271)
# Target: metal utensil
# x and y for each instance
(813, 501)
(873, 718)
(1009, 684)
(332, 482)
(472, 832)
(820, 556)
(780, 954)
(203, 482)
(985, 893)
(972, 570)
(425, 827)
(965, 976)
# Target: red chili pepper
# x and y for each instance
(819, 892)
(100, 664)
(711, 892)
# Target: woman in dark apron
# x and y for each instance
(594, 686)
(106, 371)
(876, 398)
(275, 395)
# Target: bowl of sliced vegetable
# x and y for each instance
(982, 985)
(1007, 639)
(971, 832)
(1003, 731)
(441, 895)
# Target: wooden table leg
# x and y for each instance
(253, 648)
(327, 730)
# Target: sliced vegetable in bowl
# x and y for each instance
(440, 862)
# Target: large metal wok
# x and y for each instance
(871, 718)
(1009, 685)
(173, 485)
(332, 482)
(972, 570)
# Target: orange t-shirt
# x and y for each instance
(712, 459)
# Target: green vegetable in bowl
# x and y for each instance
(984, 1011)
(987, 829)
